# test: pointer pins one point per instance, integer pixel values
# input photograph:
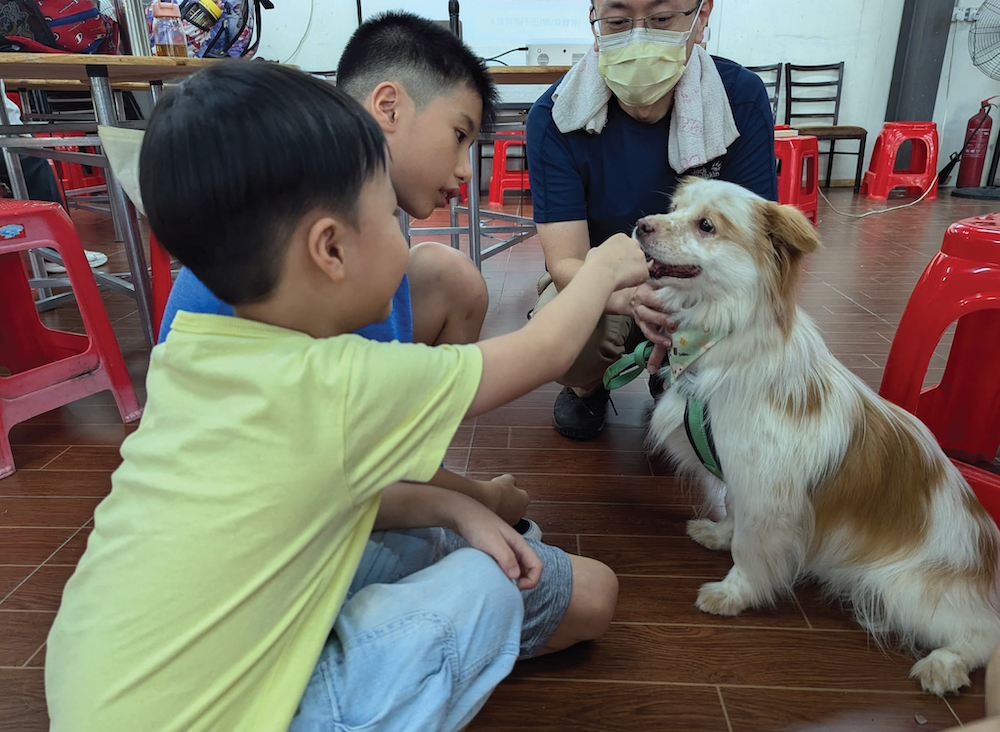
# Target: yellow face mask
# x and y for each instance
(642, 66)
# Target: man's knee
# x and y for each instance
(605, 345)
(440, 269)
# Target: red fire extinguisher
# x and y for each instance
(977, 138)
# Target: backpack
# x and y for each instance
(230, 35)
(74, 26)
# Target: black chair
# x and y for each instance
(820, 99)
(773, 86)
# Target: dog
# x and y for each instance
(821, 476)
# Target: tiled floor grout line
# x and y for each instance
(952, 710)
(706, 685)
(803, 611)
(19, 584)
(31, 658)
(733, 626)
(56, 457)
(725, 712)
(848, 297)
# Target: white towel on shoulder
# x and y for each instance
(701, 125)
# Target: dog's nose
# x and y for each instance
(646, 227)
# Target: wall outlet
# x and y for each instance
(961, 15)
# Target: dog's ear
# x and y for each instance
(789, 229)
(791, 235)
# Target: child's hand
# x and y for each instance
(506, 500)
(486, 531)
(622, 255)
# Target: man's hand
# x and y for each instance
(506, 500)
(654, 323)
(486, 531)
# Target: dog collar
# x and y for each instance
(687, 347)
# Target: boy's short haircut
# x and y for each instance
(235, 157)
(428, 60)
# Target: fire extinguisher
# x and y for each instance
(977, 138)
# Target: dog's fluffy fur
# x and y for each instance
(822, 477)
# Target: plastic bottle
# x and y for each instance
(168, 32)
(203, 14)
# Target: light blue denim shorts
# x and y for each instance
(429, 628)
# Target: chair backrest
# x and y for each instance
(813, 93)
(773, 86)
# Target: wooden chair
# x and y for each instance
(773, 87)
(813, 99)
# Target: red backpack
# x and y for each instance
(76, 26)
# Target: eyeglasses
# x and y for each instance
(668, 20)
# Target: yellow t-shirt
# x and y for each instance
(234, 526)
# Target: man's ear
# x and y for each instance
(789, 229)
(325, 242)
(385, 105)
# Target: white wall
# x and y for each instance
(968, 87)
(862, 33)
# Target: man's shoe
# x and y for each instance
(656, 386)
(580, 418)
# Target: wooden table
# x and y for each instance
(98, 72)
(527, 74)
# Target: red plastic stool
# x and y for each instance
(162, 277)
(961, 283)
(882, 176)
(507, 180)
(73, 176)
(798, 173)
(985, 485)
(50, 368)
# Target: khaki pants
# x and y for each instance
(614, 336)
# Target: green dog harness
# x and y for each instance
(687, 346)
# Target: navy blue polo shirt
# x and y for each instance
(614, 178)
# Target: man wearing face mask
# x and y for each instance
(608, 144)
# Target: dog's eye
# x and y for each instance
(706, 226)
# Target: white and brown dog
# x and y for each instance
(821, 477)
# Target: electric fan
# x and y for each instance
(984, 47)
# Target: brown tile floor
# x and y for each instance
(663, 665)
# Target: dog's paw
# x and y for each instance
(715, 535)
(941, 672)
(716, 598)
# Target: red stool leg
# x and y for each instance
(962, 409)
(95, 318)
(159, 262)
(927, 315)
(499, 168)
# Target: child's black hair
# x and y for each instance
(427, 59)
(235, 157)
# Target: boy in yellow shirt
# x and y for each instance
(232, 580)
(424, 87)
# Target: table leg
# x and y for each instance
(453, 220)
(404, 224)
(20, 190)
(104, 106)
(475, 243)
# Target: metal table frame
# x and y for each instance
(521, 227)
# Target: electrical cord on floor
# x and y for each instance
(879, 210)
(947, 96)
